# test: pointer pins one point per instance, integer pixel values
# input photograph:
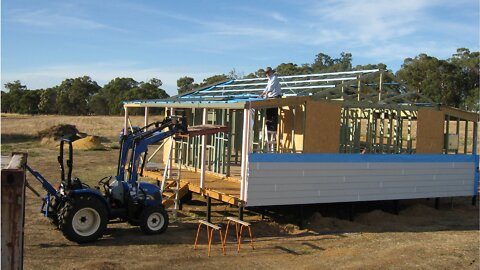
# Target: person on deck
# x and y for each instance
(272, 90)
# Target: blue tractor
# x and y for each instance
(82, 212)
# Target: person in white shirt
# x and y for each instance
(273, 89)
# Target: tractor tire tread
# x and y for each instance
(68, 211)
(144, 219)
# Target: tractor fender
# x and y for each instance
(91, 192)
(152, 192)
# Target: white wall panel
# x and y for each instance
(282, 183)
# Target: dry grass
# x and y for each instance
(102, 126)
(420, 237)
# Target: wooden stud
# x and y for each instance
(447, 131)
(466, 138)
(409, 135)
(382, 130)
(457, 131)
(203, 151)
(380, 86)
(390, 131)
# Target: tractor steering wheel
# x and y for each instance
(105, 182)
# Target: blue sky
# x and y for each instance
(45, 42)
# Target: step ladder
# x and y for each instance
(270, 142)
(172, 188)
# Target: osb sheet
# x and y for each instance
(322, 131)
(430, 125)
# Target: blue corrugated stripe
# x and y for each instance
(353, 158)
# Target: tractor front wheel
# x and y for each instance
(83, 219)
(154, 219)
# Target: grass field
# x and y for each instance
(419, 237)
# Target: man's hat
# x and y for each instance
(269, 69)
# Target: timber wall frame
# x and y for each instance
(309, 125)
(343, 116)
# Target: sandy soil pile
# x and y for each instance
(419, 210)
(412, 218)
(80, 140)
(267, 229)
(54, 133)
(317, 222)
(88, 143)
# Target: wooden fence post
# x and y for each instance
(13, 211)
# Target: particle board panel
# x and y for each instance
(430, 130)
(322, 127)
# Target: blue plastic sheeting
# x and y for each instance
(361, 158)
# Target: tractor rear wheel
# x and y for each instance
(154, 219)
(83, 219)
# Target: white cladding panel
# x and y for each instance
(282, 183)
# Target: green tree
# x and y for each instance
(185, 85)
(15, 86)
(287, 69)
(469, 65)
(8, 102)
(322, 63)
(344, 63)
(260, 73)
(47, 104)
(99, 104)
(73, 95)
(29, 101)
(213, 80)
(115, 92)
(434, 78)
(11, 99)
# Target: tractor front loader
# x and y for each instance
(82, 212)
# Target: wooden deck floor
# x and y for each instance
(219, 188)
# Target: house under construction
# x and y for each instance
(341, 137)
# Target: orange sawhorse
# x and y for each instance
(210, 228)
(237, 232)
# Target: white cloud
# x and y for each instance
(53, 19)
(220, 28)
(247, 31)
(368, 22)
(278, 17)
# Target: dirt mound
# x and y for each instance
(103, 266)
(420, 210)
(319, 223)
(54, 133)
(376, 217)
(88, 143)
(267, 229)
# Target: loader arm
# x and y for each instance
(138, 142)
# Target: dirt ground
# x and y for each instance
(420, 236)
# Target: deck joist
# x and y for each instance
(218, 188)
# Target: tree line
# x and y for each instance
(79, 96)
(453, 81)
